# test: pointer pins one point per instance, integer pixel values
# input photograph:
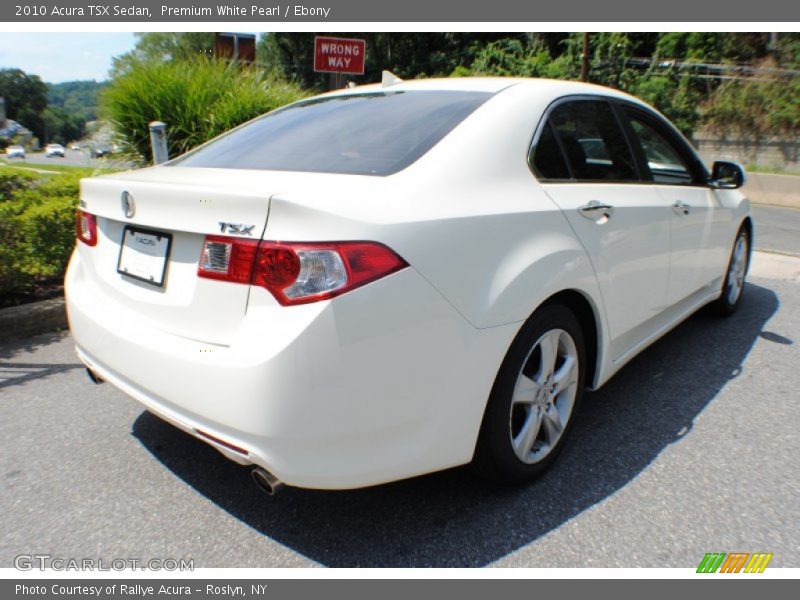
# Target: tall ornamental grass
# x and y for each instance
(198, 99)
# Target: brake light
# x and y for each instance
(297, 273)
(86, 228)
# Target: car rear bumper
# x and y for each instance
(383, 383)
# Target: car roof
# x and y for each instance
(492, 85)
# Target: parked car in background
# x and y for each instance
(52, 150)
(390, 280)
(15, 152)
(100, 151)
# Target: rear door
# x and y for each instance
(681, 182)
(585, 164)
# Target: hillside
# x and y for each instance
(78, 98)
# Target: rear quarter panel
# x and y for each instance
(469, 216)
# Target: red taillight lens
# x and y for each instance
(86, 228)
(276, 266)
(297, 273)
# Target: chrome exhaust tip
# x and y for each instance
(266, 481)
(96, 379)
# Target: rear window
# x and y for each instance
(364, 134)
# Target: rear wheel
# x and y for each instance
(536, 393)
(733, 285)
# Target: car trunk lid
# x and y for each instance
(182, 206)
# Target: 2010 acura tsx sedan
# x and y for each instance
(390, 280)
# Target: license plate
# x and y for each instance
(143, 255)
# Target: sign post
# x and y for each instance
(339, 56)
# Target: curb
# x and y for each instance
(25, 320)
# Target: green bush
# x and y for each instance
(37, 216)
(197, 98)
(12, 180)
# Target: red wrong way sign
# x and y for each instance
(339, 55)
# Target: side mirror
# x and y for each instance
(727, 175)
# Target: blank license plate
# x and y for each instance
(143, 255)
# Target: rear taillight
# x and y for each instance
(297, 273)
(86, 228)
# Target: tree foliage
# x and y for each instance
(408, 55)
(657, 67)
(26, 98)
(164, 46)
(62, 126)
(79, 98)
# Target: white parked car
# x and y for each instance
(15, 152)
(382, 282)
(54, 150)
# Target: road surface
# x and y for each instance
(691, 448)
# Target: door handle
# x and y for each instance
(596, 211)
(681, 208)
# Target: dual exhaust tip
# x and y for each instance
(266, 481)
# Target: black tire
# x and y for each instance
(495, 457)
(724, 306)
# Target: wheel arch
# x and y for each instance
(747, 223)
(586, 312)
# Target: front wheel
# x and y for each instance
(733, 285)
(536, 393)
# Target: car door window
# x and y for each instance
(666, 163)
(592, 141)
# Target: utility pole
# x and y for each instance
(585, 58)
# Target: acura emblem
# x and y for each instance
(128, 205)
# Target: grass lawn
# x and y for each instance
(53, 169)
(773, 170)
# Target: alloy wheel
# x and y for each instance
(544, 396)
(737, 269)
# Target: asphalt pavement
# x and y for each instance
(72, 158)
(777, 229)
(691, 448)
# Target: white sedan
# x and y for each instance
(52, 150)
(15, 152)
(390, 280)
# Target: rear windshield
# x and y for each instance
(364, 134)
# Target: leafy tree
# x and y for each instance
(649, 65)
(26, 98)
(512, 57)
(62, 126)
(408, 55)
(755, 110)
(164, 46)
(76, 97)
(673, 96)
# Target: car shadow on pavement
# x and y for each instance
(13, 372)
(453, 519)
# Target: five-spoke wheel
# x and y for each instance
(534, 398)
